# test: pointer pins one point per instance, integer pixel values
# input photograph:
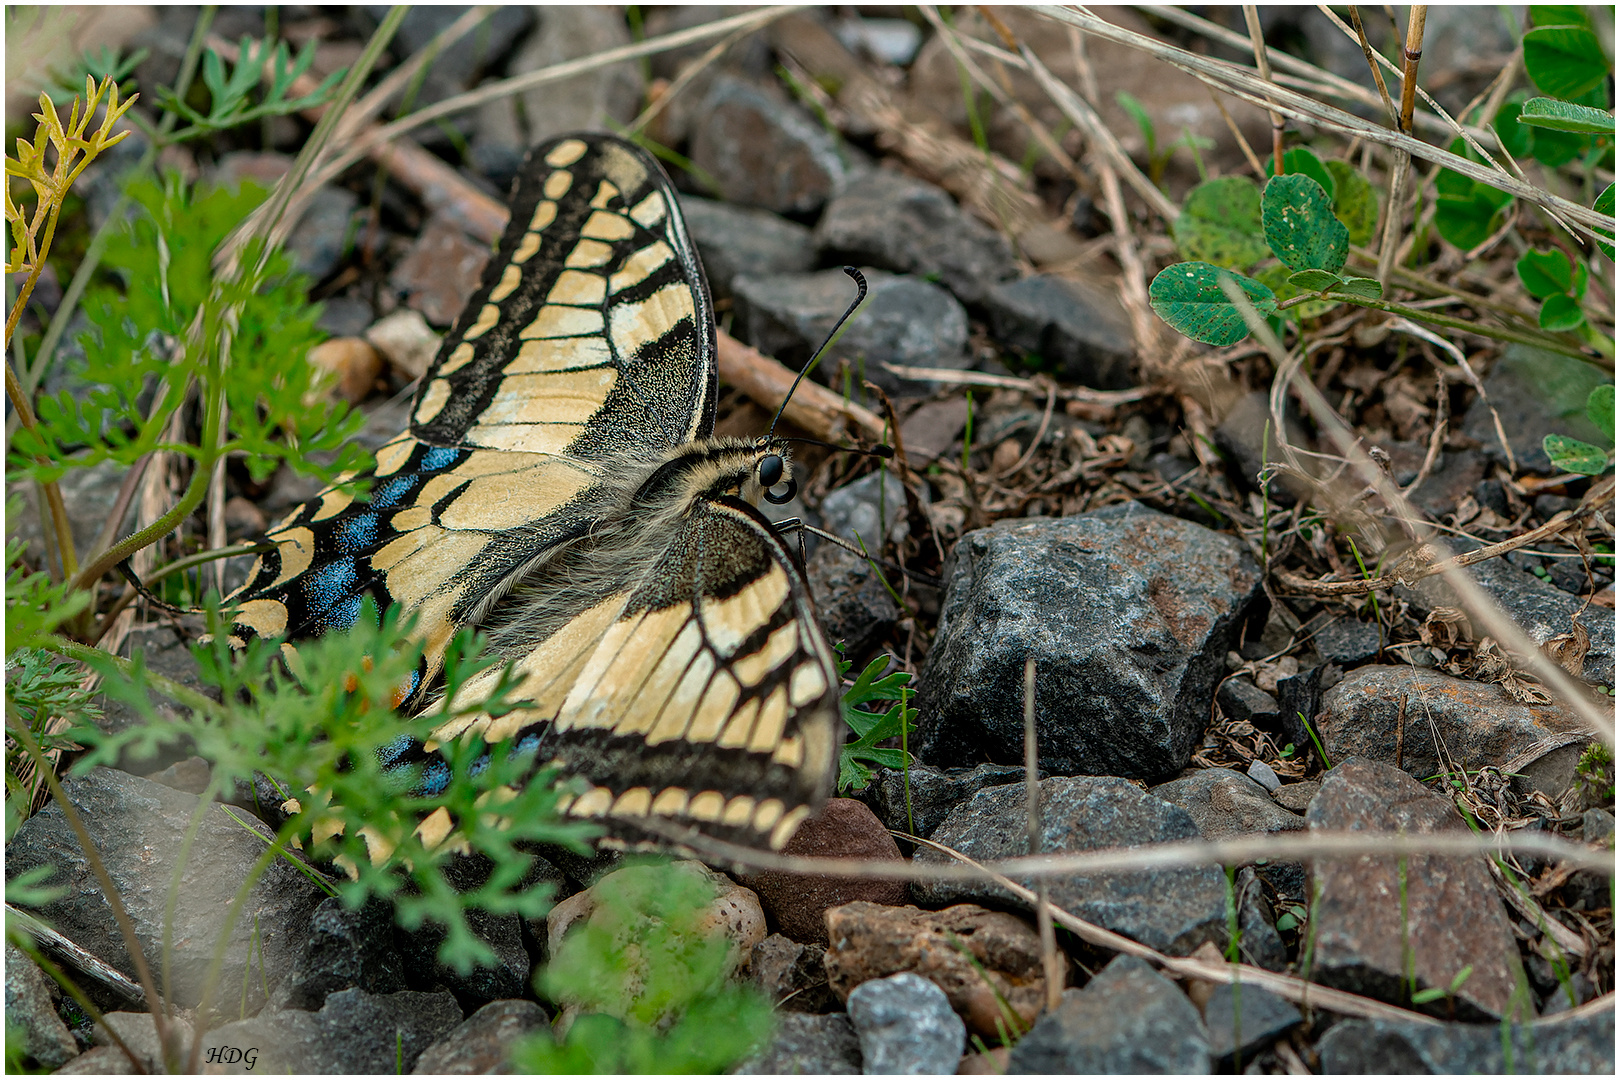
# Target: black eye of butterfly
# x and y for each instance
(770, 470)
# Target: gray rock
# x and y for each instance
(906, 321)
(1240, 699)
(457, 68)
(1077, 329)
(899, 223)
(593, 101)
(507, 977)
(1477, 723)
(792, 974)
(1128, 613)
(1259, 943)
(866, 509)
(1173, 909)
(763, 150)
(742, 241)
(1264, 775)
(934, 793)
(1129, 1019)
(354, 1032)
(1454, 476)
(1371, 934)
(1298, 796)
(139, 1032)
(87, 494)
(806, 1045)
(138, 826)
(1597, 826)
(483, 1042)
(1344, 641)
(854, 605)
(906, 1027)
(345, 317)
(1536, 393)
(31, 1016)
(344, 949)
(1584, 1045)
(1225, 804)
(441, 271)
(1540, 608)
(1243, 1018)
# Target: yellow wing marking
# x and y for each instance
(727, 623)
(511, 278)
(579, 710)
(394, 454)
(636, 325)
(589, 253)
(578, 287)
(558, 354)
(649, 211)
(412, 517)
(544, 214)
(594, 803)
(544, 676)
(617, 671)
(388, 556)
(487, 502)
(788, 826)
(558, 183)
(566, 153)
(606, 192)
(558, 397)
(603, 225)
(459, 358)
(529, 246)
(268, 617)
(424, 571)
(683, 704)
(707, 806)
(782, 644)
(297, 548)
(641, 263)
(622, 167)
(739, 726)
(714, 709)
(333, 502)
(633, 803)
(525, 438)
(487, 318)
(738, 810)
(652, 689)
(434, 400)
(557, 321)
(671, 802)
(772, 719)
(808, 684)
(767, 813)
(790, 752)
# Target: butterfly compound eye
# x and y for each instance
(770, 470)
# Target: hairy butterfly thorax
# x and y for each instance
(560, 488)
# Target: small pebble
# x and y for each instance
(906, 1027)
(1264, 775)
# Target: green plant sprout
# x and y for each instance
(856, 757)
(649, 974)
(1159, 157)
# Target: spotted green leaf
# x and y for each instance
(1600, 407)
(1301, 160)
(1220, 224)
(1299, 224)
(1572, 455)
(1189, 297)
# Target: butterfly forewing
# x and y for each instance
(673, 665)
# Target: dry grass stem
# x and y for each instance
(1242, 83)
(1373, 58)
(1257, 42)
(1050, 964)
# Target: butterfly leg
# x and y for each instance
(797, 525)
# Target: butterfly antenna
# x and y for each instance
(860, 285)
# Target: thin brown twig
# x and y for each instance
(1372, 61)
(1050, 963)
(1257, 40)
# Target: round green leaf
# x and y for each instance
(1564, 61)
(1188, 296)
(1543, 112)
(1465, 212)
(1572, 455)
(1559, 15)
(1301, 160)
(1555, 148)
(1600, 407)
(1299, 224)
(1604, 204)
(1365, 287)
(1220, 223)
(1560, 312)
(1516, 137)
(1313, 280)
(1354, 201)
(1544, 273)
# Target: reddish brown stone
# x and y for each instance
(845, 829)
(980, 958)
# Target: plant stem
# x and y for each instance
(53, 493)
(177, 692)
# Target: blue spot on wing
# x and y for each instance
(357, 533)
(343, 615)
(435, 778)
(391, 492)
(389, 755)
(325, 587)
(439, 457)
